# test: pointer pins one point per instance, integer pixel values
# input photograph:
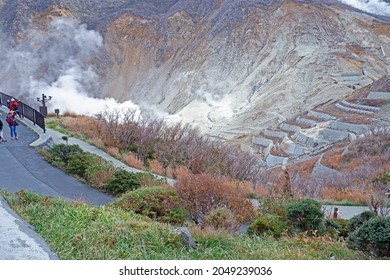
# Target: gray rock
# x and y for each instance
(186, 237)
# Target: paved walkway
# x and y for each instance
(23, 168)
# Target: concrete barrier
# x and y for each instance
(304, 139)
(353, 110)
(333, 135)
(262, 141)
(265, 144)
(307, 122)
(378, 95)
(343, 126)
(272, 160)
(320, 116)
(292, 148)
(276, 134)
(358, 106)
(289, 127)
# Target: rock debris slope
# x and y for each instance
(231, 67)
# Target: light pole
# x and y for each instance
(43, 100)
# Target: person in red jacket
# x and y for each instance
(14, 106)
(12, 122)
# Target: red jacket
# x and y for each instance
(13, 106)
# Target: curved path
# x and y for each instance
(21, 167)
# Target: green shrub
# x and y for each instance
(78, 164)
(373, 236)
(268, 225)
(338, 227)
(356, 221)
(62, 152)
(123, 181)
(306, 214)
(157, 203)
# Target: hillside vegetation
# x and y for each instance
(216, 209)
(81, 232)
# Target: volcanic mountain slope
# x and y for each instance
(230, 67)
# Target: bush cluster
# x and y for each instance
(158, 203)
(96, 171)
(286, 215)
(268, 225)
(373, 236)
(305, 215)
(171, 145)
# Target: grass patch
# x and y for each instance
(81, 232)
(56, 124)
(342, 203)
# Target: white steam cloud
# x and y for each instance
(377, 7)
(54, 62)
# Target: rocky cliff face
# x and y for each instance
(231, 67)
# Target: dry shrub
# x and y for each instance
(181, 172)
(170, 172)
(100, 179)
(170, 145)
(98, 142)
(333, 159)
(70, 114)
(221, 219)
(81, 124)
(304, 168)
(132, 160)
(114, 151)
(202, 193)
(260, 191)
(156, 167)
(344, 194)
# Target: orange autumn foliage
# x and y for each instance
(202, 193)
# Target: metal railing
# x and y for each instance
(26, 111)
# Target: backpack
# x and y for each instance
(10, 119)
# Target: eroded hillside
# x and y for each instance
(231, 67)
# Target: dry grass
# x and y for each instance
(203, 193)
(334, 193)
(132, 160)
(156, 167)
(304, 168)
(333, 159)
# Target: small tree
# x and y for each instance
(373, 236)
(123, 181)
(306, 214)
(357, 221)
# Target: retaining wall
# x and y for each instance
(353, 110)
(320, 116)
(276, 134)
(289, 127)
(379, 95)
(358, 106)
(355, 128)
